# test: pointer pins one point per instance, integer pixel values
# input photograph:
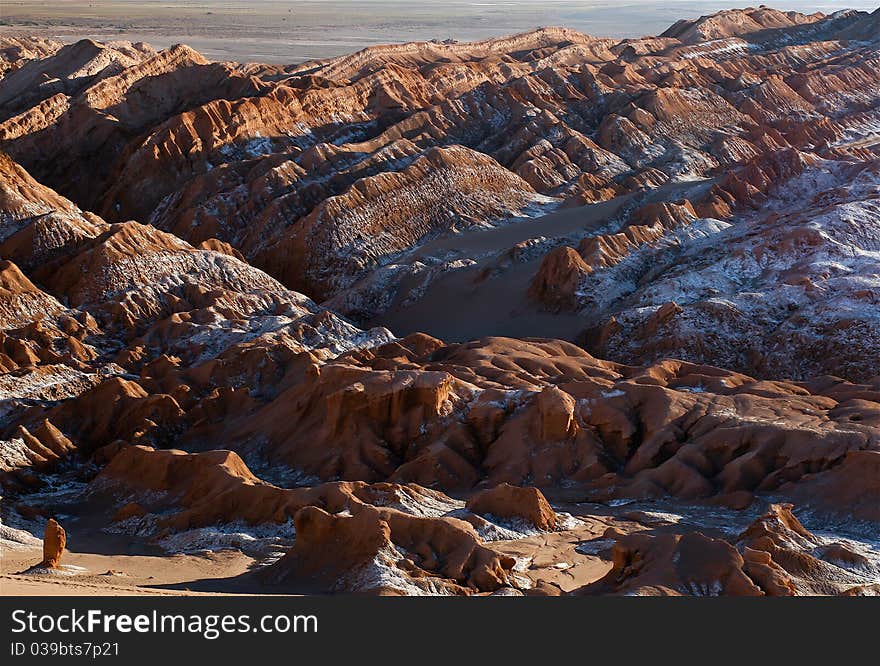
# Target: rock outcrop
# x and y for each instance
(54, 541)
(775, 556)
(508, 501)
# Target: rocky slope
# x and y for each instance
(632, 288)
(260, 156)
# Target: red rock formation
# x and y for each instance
(66, 70)
(454, 415)
(54, 541)
(850, 489)
(675, 564)
(557, 281)
(345, 549)
(385, 214)
(737, 22)
(508, 501)
(238, 157)
(774, 556)
(364, 543)
(16, 51)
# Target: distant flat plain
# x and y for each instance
(292, 31)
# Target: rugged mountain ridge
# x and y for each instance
(579, 119)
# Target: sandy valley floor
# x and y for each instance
(93, 574)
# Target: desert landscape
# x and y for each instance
(294, 31)
(542, 314)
